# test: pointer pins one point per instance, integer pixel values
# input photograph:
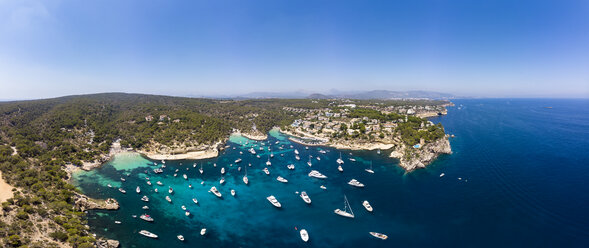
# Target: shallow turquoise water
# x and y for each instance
(523, 170)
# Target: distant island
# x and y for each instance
(42, 141)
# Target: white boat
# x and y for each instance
(245, 180)
(258, 156)
(370, 169)
(155, 190)
(203, 231)
(305, 197)
(122, 190)
(309, 163)
(148, 234)
(352, 159)
(145, 207)
(159, 183)
(322, 151)
(297, 157)
(222, 170)
(345, 212)
(214, 165)
(274, 202)
(261, 148)
(266, 171)
(183, 207)
(201, 170)
(149, 183)
(146, 217)
(185, 177)
(306, 148)
(378, 151)
(190, 186)
(117, 222)
(271, 155)
(195, 200)
(180, 237)
(168, 199)
(170, 190)
(296, 152)
(339, 160)
(379, 235)
(290, 166)
(122, 179)
(317, 174)
(441, 175)
(175, 174)
(176, 170)
(281, 179)
(222, 180)
(187, 213)
(304, 235)
(110, 186)
(194, 165)
(216, 192)
(318, 158)
(238, 160)
(239, 168)
(145, 198)
(252, 151)
(268, 163)
(163, 161)
(356, 183)
(340, 169)
(322, 187)
(367, 206)
(232, 192)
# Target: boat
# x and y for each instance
(271, 155)
(441, 175)
(145, 198)
(261, 148)
(352, 159)
(163, 161)
(378, 151)
(110, 186)
(268, 163)
(258, 156)
(183, 207)
(195, 200)
(306, 148)
(274, 202)
(266, 171)
(148, 234)
(122, 179)
(122, 190)
(222, 180)
(158, 170)
(214, 165)
(222, 170)
(159, 183)
(145, 207)
(290, 166)
(340, 169)
(356, 183)
(317, 174)
(245, 180)
(170, 190)
(309, 163)
(367, 206)
(344, 212)
(238, 160)
(322, 187)
(304, 235)
(200, 170)
(155, 190)
(296, 152)
(149, 183)
(239, 168)
(339, 160)
(322, 151)
(297, 157)
(252, 151)
(232, 192)
(305, 197)
(281, 179)
(146, 217)
(379, 235)
(176, 170)
(117, 222)
(187, 213)
(370, 169)
(168, 199)
(194, 165)
(180, 237)
(215, 192)
(175, 174)
(318, 158)
(190, 186)
(203, 231)
(185, 177)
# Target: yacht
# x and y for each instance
(274, 202)
(290, 166)
(340, 169)
(367, 206)
(122, 190)
(344, 212)
(317, 174)
(379, 235)
(222, 180)
(296, 152)
(195, 200)
(159, 183)
(339, 160)
(201, 170)
(305, 197)
(356, 183)
(238, 160)
(145, 207)
(281, 179)
(222, 170)
(245, 180)
(194, 165)
(203, 231)
(180, 237)
(187, 213)
(309, 163)
(145, 198)
(297, 157)
(252, 151)
(370, 169)
(232, 192)
(168, 199)
(170, 190)
(266, 171)
(146, 217)
(304, 235)
(318, 158)
(185, 177)
(148, 234)
(216, 192)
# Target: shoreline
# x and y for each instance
(337, 145)
(258, 136)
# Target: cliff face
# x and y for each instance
(85, 203)
(414, 158)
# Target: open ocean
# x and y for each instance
(524, 172)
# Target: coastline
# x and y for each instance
(253, 136)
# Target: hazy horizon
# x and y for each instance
(530, 49)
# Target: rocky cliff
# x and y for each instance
(413, 158)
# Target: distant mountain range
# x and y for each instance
(362, 95)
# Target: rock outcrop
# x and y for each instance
(414, 158)
(84, 203)
(107, 243)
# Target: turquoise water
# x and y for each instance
(523, 171)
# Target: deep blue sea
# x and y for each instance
(518, 177)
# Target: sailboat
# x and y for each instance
(245, 180)
(268, 163)
(201, 170)
(309, 163)
(370, 170)
(339, 160)
(345, 213)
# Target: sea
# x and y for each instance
(518, 177)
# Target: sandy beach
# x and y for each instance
(257, 136)
(5, 190)
(211, 153)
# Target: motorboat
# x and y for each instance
(297, 157)
(379, 235)
(340, 169)
(367, 206)
(170, 190)
(180, 237)
(122, 190)
(290, 166)
(145, 207)
(238, 160)
(203, 231)
(148, 234)
(145, 198)
(266, 171)
(146, 217)
(322, 151)
(195, 200)
(117, 222)
(296, 152)
(274, 202)
(345, 212)
(187, 213)
(318, 158)
(168, 199)
(268, 163)
(110, 186)
(352, 159)
(304, 235)
(309, 162)
(245, 180)
(159, 183)
(232, 192)
(322, 187)
(215, 192)
(370, 169)
(222, 180)
(185, 177)
(305, 197)
(122, 179)
(190, 186)
(340, 160)
(201, 170)
(356, 183)
(155, 190)
(222, 170)
(252, 150)
(183, 207)
(281, 179)
(441, 175)
(149, 183)
(317, 174)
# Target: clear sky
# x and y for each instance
(489, 48)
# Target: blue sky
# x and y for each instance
(495, 48)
